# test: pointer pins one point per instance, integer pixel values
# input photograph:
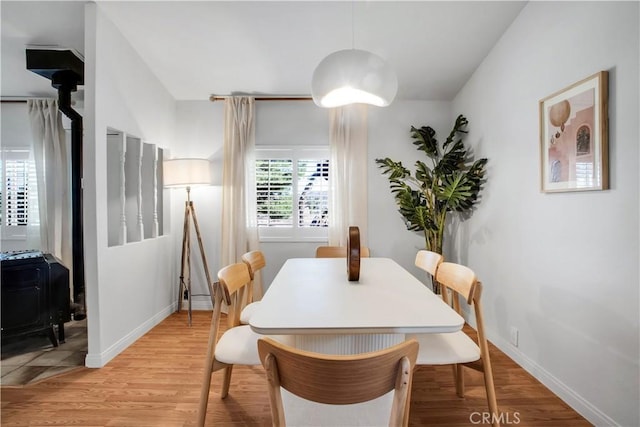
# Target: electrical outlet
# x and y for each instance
(513, 337)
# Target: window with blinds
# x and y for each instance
(313, 193)
(274, 192)
(292, 193)
(18, 194)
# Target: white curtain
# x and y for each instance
(239, 221)
(52, 171)
(348, 173)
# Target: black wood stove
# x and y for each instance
(35, 294)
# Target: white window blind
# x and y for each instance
(18, 194)
(274, 192)
(313, 193)
(292, 190)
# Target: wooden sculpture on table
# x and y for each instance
(353, 254)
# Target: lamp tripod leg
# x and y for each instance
(185, 274)
(204, 258)
(188, 268)
(183, 260)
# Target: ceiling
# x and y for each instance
(37, 23)
(213, 47)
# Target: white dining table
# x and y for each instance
(312, 299)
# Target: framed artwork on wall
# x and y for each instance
(574, 137)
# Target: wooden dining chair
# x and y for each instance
(338, 379)
(458, 348)
(238, 344)
(255, 261)
(338, 252)
(428, 261)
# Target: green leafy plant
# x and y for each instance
(450, 183)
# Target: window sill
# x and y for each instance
(292, 240)
(20, 238)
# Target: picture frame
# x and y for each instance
(574, 144)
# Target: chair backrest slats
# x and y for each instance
(462, 281)
(458, 278)
(255, 261)
(338, 379)
(428, 261)
(234, 279)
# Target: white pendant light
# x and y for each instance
(353, 76)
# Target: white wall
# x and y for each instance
(561, 268)
(129, 288)
(15, 131)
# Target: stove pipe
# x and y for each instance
(66, 71)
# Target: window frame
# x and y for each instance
(19, 232)
(293, 233)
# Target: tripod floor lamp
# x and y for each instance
(187, 173)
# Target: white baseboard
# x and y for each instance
(198, 303)
(101, 359)
(201, 303)
(560, 389)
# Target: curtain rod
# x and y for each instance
(10, 100)
(214, 98)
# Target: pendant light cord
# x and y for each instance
(353, 26)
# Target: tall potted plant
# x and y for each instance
(450, 183)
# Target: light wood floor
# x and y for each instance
(156, 382)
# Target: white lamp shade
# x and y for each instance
(353, 76)
(186, 172)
